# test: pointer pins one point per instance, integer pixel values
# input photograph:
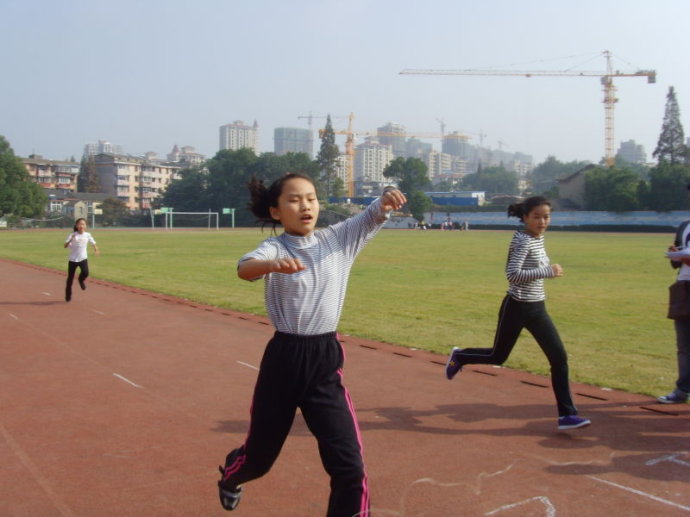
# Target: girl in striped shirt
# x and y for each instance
(305, 276)
(524, 307)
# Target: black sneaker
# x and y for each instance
(229, 499)
(673, 398)
(229, 495)
(68, 295)
(82, 284)
(453, 366)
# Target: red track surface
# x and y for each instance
(122, 403)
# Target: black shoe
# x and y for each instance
(68, 295)
(82, 284)
(229, 496)
(453, 365)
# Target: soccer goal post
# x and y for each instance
(170, 218)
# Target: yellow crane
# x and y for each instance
(606, 81)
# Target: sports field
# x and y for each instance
(429, 290)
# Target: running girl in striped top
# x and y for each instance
(524, 307)
(305, 276)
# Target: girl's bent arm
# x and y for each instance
(252, 269)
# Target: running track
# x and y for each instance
(123, 402)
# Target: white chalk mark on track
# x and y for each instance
(126, 380)
(248, 365)
(550, 508)
(644, 494)
(13, 315)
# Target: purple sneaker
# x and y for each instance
(453, 365)
(572, 422)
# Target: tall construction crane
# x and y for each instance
(606, 81)
(311, 117)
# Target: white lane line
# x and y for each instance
(12, 315)
(98, 312)
(248, 365)
(35, 471)
(46, 294)
(126, 380)
(644, 494)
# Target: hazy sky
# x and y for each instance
(148, 74)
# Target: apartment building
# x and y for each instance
(393, 134)
(135, 181)
(102, 147)
(238, 136)
(53, 174)
(631, 152)
(293, 140)
(371, 159)
(186, 156)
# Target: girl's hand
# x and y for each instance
(392, 199)
(286, 266)
(557, 269)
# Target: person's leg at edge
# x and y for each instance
(683, 343)
(330, 416)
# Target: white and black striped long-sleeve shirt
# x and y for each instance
(310, 302)
(527, 267)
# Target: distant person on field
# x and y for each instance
(78, 242)
(305, 274)
(524, 307)
(682, 326)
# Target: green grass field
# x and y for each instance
(429, 290)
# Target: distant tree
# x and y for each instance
(545, 176)
(228, 175)
(327, 157)
(19, 196)
(495, 180)
(338, 188)
(418, 203)
(411, 173)
(671, 146)
(114, 211)
(668, 187)
(187, 193)
(88, 181)
(611, 189)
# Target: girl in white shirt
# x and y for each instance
(78, 242)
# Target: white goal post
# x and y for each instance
(170, 218)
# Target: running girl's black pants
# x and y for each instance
(305, 372)
(513, 316)
(72, 269)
